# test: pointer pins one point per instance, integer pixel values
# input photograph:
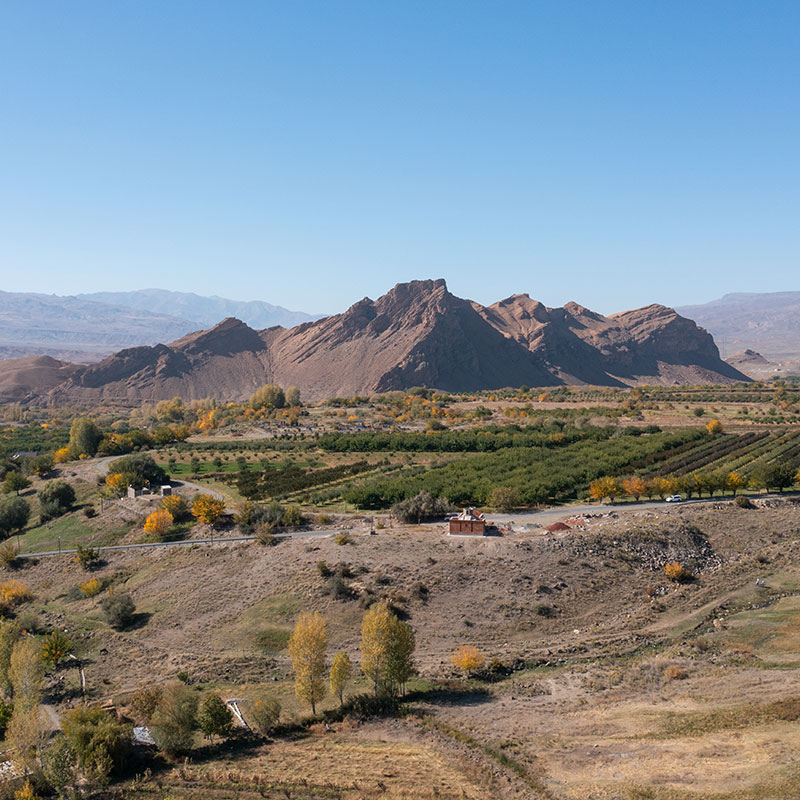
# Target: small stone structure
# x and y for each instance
(166, 490)
(468, 522)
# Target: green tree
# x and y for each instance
(263, 713)
(175, 719)
(84, 437)
(99, 741)
(504, 498)
(41, 465)
(138, 469)
(60, 766)
(15, 482)
(307, 647)
(214, 717)
(292, 396)
(268, 396)
(57, 493)
(14, 515)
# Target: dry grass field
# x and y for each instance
(624, 685)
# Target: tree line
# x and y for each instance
(780, 476)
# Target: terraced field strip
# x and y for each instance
(709, 452)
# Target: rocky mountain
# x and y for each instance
(203, 312)
(418, 334)
(86, 328)
(768, 323)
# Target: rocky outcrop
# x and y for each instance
(417, 334)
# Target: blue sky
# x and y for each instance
(312, 153)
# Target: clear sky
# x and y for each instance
(312, 153)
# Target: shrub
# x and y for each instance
(677, 572)
(545, 610)
(292, 516)
(144, 703)
(56, 495)
(176, 506)
(41, 465)
(8, 555)
(89, 512)
(742, 501)
(267, 537)
(323, 569)
(87, 557)
(324, 519)
(420, 508)
(91, 587)
(158, 523)
(119, 610)
(55, 648)
(343, 538)
(467, 658)
(50, 509)
(263, 713)
(338, 588)
(674, 673)
(14, 593)
(99, 741)
(420, 591)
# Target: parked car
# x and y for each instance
(674, 498)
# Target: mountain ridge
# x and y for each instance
(417, 334)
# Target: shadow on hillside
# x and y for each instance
(451, 696)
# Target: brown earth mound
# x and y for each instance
(20, 378)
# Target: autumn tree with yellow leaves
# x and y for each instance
(207, 509)
(341, 674)
(603, 487)
(387, 650)
(467, 658)
(307, 647)
(158, 522)
(27, 732)
(634, 486)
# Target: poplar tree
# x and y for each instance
(307, 647)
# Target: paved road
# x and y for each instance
(182, 543)
(547, 516)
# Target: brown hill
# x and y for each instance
(418, 334)
(21, 378)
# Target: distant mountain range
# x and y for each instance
(418, 334)
(202, 311)
(88, 327)
(768, 323)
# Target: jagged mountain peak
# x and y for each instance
(417, 334)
